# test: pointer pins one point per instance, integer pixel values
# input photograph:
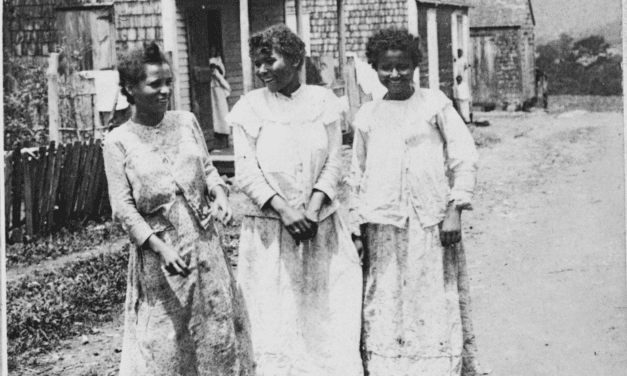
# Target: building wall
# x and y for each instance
(363, 17)
(528, 57)
(445, 49)
(507, 64)
(33, 28)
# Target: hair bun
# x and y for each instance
(152, 51)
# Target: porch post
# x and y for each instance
(244, 30)
(341, 32)
(168, 21)
(300, 30)
(432, 46)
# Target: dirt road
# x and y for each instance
(546, 250)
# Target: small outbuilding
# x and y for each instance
(502, 53)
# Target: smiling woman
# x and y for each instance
(183, 313)
(298, 269)
(407, 220)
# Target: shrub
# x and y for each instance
(25, 102)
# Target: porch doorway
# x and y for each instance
(204, 36)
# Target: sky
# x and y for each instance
(556, 16)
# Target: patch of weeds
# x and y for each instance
(61, 243)
(48, 307)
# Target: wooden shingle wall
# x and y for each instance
(363, 17)
(137, 22)
(32, 25)
(183, 69)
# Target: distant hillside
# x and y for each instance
(611, 32)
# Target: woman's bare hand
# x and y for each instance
(294, 220)
(172, 262)
(451, 227)
(221, 207)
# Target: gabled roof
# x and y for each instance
(458, 3)
(499, 13)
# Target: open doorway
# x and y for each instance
(204, 29)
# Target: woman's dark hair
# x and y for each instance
(392, 39)
(131, 65)
(280, 38)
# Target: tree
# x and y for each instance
(580, 68)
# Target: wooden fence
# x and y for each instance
(49, 186)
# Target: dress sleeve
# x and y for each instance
(461, 156)
(331, 173)
(358, 167)
(120, 195)
(249, 176)
(212, 176)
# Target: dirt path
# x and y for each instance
(546, 250)
(20, 271)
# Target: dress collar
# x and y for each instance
(298, 92)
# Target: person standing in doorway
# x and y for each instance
(220, 90)
(461, 94)
(461, 64)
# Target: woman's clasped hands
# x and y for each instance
(301, 224)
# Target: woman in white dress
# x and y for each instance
(298, 268)
(407, 219)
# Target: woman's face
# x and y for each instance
(276, 72)
(396, 72)
(152, 94)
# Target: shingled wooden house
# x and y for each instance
(503, 55)
(188, 29)
(442, 25)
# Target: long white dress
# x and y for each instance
(304, 301)
(415, 320)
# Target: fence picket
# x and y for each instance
(58, 163)
(28, 194)
(94, 179)
(42, 164)
(74, 173)
(85, 178)
(18, 183)
(45, 193)
(8, 187)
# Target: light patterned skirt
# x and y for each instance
(304, 301)
(193, 326)
(416, 315)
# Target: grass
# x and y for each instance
(61, 243)
(47, 307)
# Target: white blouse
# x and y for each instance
(412, 155)
(288, 146)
